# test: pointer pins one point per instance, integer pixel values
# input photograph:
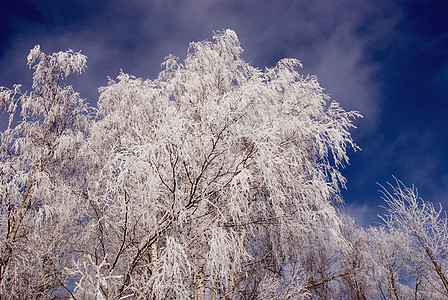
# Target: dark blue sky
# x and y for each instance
(387, 59)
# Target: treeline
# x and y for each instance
(215, 180)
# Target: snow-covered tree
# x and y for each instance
(390, 272)
(210, 181)
(41, 178)
(216, 180)
(422, 232)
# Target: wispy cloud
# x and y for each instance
(365, 214)
(136, 35)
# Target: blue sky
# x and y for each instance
(387, 59)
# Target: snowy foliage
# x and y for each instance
(423, 231)
(216, 180)
(231, 162)
(41, 178)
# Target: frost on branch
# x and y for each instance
(424, 232)
(40, 187)
(216, 180)
(235, 167)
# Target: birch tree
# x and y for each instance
(41, 178)
(393, 276)
(424, 233)
(207, 181)
(215, 180)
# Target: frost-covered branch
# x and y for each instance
(213, 180)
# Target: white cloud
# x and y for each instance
(328, 36)
(364, 214)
